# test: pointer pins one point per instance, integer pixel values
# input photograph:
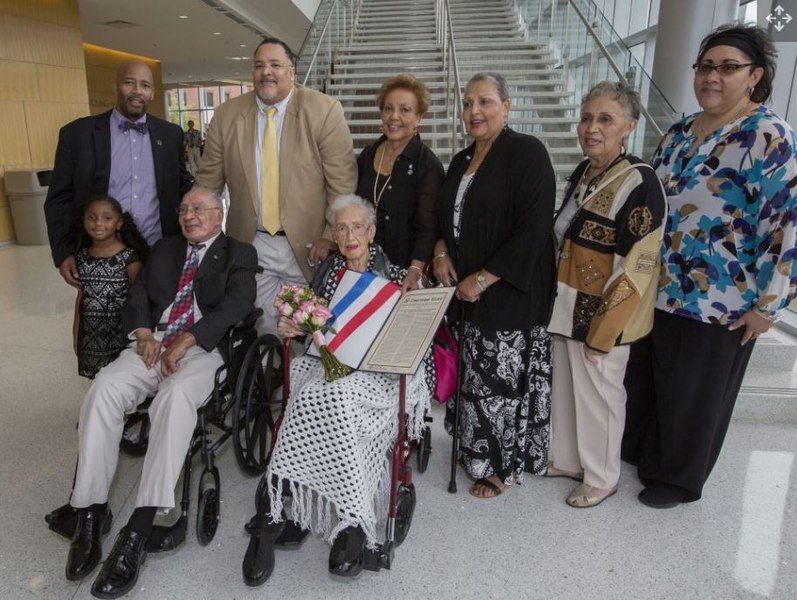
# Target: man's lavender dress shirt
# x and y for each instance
(132, 180)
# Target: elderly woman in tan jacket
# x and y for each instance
(608, 234)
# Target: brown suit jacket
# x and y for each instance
(316, 164)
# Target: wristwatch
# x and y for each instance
(481, 281)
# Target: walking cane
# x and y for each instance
(452, 484)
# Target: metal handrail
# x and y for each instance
(355, 20)
(448, 44)
(591, 30)
(320, 41)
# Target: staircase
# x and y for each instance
(489, 36)
(391, 37)
(395, 36)
(769, 389)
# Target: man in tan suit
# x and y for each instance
(316, 164)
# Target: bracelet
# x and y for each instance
(766, 315)
(441, 255)
(482, 287)
(417, 268)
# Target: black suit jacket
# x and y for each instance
(82, 171)
(224, 287)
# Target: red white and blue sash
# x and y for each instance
(360, 306)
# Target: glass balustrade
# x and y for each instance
(591, 51)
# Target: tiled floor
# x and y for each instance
(740, 541)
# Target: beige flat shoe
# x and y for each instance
(554, 472)
(586, 496)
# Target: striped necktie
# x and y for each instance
(269, 176)
(181, 317)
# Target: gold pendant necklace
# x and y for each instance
(378, 197)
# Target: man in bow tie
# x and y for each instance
(192, 290)
(124, 153)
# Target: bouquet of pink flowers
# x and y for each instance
(311, 314)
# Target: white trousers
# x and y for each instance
(194, 156)
(276, 257)
(117, 390)
(588, 412)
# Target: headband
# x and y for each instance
(738, 40)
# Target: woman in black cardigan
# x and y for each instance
(495, 214)
(401, 176)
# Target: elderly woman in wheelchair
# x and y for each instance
(332, 455)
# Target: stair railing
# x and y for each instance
(333, 27)
(454, 83)
(607, 55)
(591, 50)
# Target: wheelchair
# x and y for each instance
(402, 501)
(237, 408)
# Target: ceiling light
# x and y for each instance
(242, 45)
(217, 33)
(182, 17)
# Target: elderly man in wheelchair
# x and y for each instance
(333, 450)
(194, 288)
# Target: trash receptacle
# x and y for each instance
(26, 191)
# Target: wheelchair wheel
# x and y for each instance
(405, 506)
(135, 436)
(424, 450)
(251, 415)
(208, 507)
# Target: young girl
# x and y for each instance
(108, 262)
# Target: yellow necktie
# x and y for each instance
(269, 176)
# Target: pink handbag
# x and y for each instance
(445, 352)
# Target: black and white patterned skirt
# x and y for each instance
(506, 403)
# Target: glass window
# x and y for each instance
(197, 104)
(748, 12)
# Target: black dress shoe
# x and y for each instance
(660, 495)
(259, 558)
(292, 536)
(85, 551)
(119, 572)
(346, 555)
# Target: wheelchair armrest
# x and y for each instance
(249, 320)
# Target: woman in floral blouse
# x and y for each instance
(728, 271)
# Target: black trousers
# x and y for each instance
(682, 383)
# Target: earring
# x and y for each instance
(750, 91)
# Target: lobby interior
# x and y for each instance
(739, 541)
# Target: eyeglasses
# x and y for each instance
(724, 69)
(196, 211)
(357, 229)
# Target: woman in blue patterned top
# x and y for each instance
(728, 267)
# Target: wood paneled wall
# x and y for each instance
(101, 65)
(48, 78)
(42, 85)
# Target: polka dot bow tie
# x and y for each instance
(127, 126)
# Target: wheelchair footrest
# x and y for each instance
(63, 520)
(380, 558)
(164, 538)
